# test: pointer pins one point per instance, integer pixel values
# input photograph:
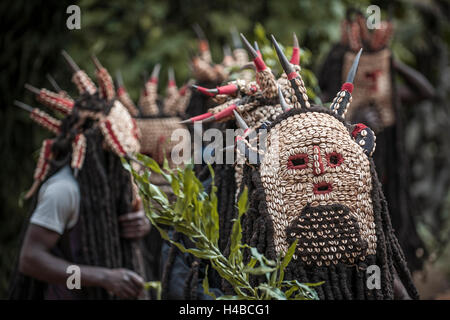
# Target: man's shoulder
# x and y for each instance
(62, 182)
(58, 203)
(62, 188)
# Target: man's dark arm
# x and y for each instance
(38, 262)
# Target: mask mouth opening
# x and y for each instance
(322, 188)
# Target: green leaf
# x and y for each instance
(287, 258)
(288, 293)
(125, 164)
(228, 297)
(261, 258)
(259, 270)
(154, 285)
(243, 203)
(236, 231)
(175, 184)
(158, 194)
(165, 163)
(149, 162)
(272, 292)
(251, 263)
(206, 285)
(305, 289)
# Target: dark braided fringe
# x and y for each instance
(188, 282)
(226, 190)
(256, 216)
(191, 283)
(106, 195)
(204, 174)
(398, 258)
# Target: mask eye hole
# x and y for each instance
(298, 161)
(334, 159)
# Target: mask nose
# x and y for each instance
(317, 161)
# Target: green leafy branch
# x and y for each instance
(194, 214)
(156, 285)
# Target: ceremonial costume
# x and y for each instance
(80, 170)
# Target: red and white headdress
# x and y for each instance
(118, 127)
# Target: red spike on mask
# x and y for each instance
(55, 101)
(228, 89)
(204, 90)
(227, 112)
(45, 120)
(295, 59)
(105, 83)
(198, 118)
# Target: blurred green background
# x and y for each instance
(135, 35)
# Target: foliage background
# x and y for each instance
(134, 35)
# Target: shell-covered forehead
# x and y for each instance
(312, 128)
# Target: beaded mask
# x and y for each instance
(317, 182)
(316, 177)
